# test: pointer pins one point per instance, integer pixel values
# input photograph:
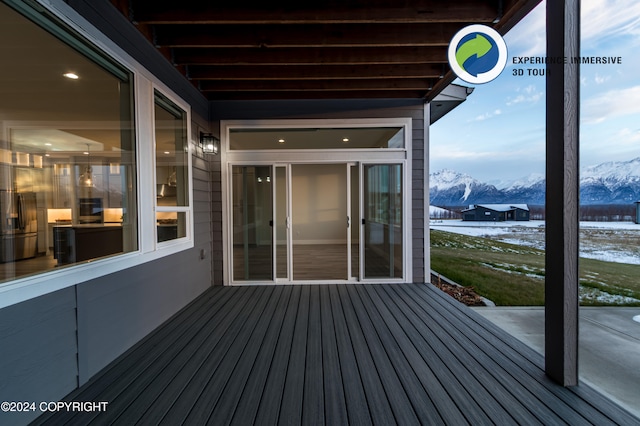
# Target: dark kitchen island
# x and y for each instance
(77, 243)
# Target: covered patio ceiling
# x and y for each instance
(335, 49)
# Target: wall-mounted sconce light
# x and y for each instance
(209, 143)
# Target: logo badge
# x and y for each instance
(477, 54)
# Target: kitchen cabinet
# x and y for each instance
(62, 186)
(77, 243)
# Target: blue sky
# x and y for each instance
(498, 134)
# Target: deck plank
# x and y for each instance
(313, 398)
(429, 398)
(446, 379)
(192, 392)
(473, 370)
(333, 354)
(399, 397)
(251, 370)
(334, 393)
(264, 406)
(519, 361)
(292, 396)
(241, 351)
(380, 408)
(354, 393)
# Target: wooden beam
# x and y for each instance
(322, 94)
(300, 56)
(315, 85)
(316, 12)
(323, 35)
(314, 72)
(562, 193)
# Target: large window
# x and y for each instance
(67, 149)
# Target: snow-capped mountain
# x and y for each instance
(616, 181)
(606, 183)
(450, 188)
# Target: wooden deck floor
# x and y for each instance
(335, 355)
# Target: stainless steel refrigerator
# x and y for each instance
(18, 225)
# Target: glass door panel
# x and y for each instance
(282, 222)
(354, 201)
(252, 220)
(319, 221)
(382, 221)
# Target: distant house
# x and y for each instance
(496, 212)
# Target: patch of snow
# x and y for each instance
(531, 234)
(596, 295)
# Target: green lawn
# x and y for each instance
(512, 275)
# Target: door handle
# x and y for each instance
(364, 221)
(348, 222)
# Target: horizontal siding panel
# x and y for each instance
(38, 351)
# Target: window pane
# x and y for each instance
(320, 138)
(67, 153)
(172, 171)
(171, 225)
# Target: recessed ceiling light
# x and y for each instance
(86, 153)
(167, 152)
(47, 144)
(71, 75)
(345, 139)
(280, 140)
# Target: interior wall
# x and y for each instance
(319, 198)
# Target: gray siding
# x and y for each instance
(38, 351)
(380, 108)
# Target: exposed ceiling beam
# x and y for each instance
(312, 12)
(276, 95)
(288, 49)
(301, 56)
(315, 85)
(314, 72)
(324, 35)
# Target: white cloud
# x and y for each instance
(532, 96)
(613, 103)
(600, 20)
(608, 18)
(487, 115)
(528, 37)
(600, 79)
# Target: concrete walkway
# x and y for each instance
(609, 346)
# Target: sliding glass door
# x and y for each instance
(327, 222)
(252, 213)
(320, 222)
(382, 225)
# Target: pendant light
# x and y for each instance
(86, 178)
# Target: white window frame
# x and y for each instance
(144, 82)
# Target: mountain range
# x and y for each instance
(606, 183)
